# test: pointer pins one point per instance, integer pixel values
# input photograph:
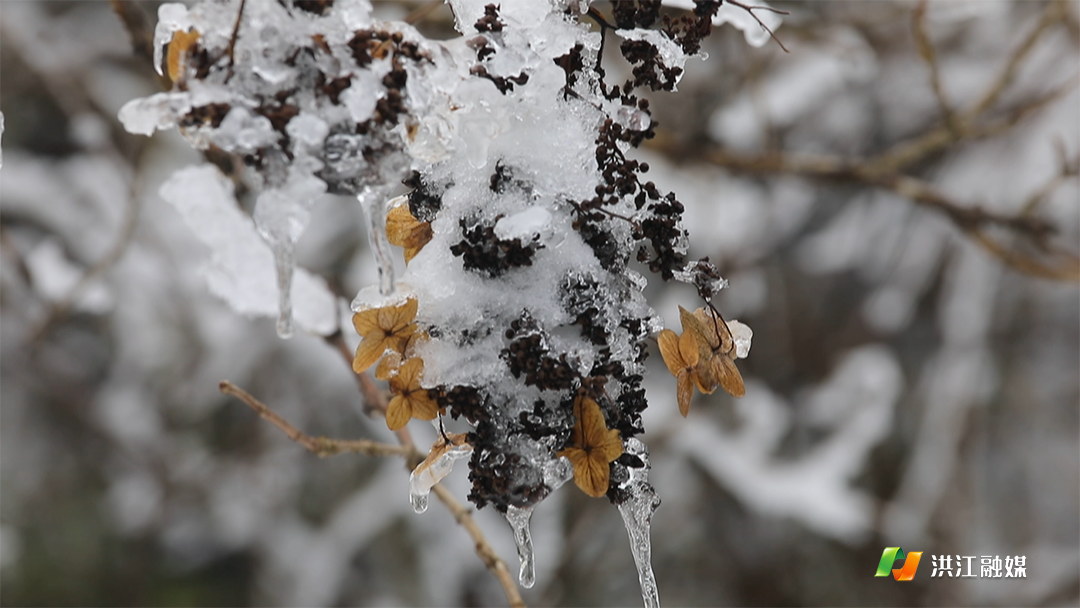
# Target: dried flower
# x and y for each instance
(410, 400)
(704, 356)
(404, 230)
(681, 356)
(390, 363)
(593, 447)
(382, 328)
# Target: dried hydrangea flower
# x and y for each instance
(383, 328)
(593, 447)
(681, 356)
(704, 355)
(410, 400)
(404, 230)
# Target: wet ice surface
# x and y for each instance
(637, 512)
(519, 523)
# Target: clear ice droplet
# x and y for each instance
(519, 523)
(418, 501)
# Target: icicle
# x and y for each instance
(285, 262)
(637, 512)
(519, 522)
(374, 204)
(438, 464)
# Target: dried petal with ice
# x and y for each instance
(438, 464)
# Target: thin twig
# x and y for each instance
(751, 9)
(1053, 14)
(231, 49)
(929, 55)
(320, 446)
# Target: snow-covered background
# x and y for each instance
(905, 388)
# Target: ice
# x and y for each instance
(634, 119)
(431, 472)
(742, 335)
(373, 202)
(241, 269)
(281, 215)
(160, 111)
(637, 512)
(309, 129)
(519, 522)
(172, 17)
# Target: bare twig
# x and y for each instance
(320, 446)
(929, 55)
(751, 9)
(1054, 13)
(231, 49)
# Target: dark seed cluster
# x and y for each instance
(483, 252)
(425, 199)
(528, 356)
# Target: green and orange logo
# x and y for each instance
(888, 559)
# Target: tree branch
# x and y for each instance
(320, 446)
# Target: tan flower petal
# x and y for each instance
(669, 351)
(405, 314)
(689, 349)
(408, 375)
(388, 366)
(685, 391)
(366, 322)
(730, 378)
(594, 476)
(404, 230)
(718, 331)
(693, 326)
(398, 413)
(423, 406)
(369, 351)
